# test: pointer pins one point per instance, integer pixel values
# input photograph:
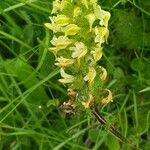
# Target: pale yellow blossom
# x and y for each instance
(102, 34)
(108, 98)
(103, 73)
(71, 29)
(60, 43)
(89, 102)
(76, 12)
(56, 6)
(79, 50)
(90, 75)
(61, 20)
(91, 18)
(63, 62)
(105, 16)
(66, 78)
(97, 53)
(102, 15)
(52, 26)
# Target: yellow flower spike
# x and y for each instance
(76, 12)
(97, 53)
(88, 103)
(63, 62)
(91, 18)
(107, 99)
(102, 34)
(71, 26)
(103, 73)
(61, 42)
(56, 6)
(61, 20)
(79, 50)
(90, 75)
(66, 78)
(71, 29)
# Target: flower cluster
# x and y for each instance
(80, 28)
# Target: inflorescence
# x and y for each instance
(80, 27)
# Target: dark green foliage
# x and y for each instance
(30, 94)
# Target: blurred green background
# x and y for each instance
(30, 93)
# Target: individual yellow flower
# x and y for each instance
(56, 6)
(108, 98)
(79, 50)
(76, 12)
(102, 34)
(63, 62)
(65, 4)
(90, 75)
(66, 78)
(60, 43)
(71, 29)
(61, 20)
(97, 53)
(52, 26)
(103, 73)
(102, 15)
(105, 16)
(88, 103)
(91, 18)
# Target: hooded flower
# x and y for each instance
(66, 78)
(56, 6)
(63, 62)
(102, 15)
(71, 29)
(101, 34)
(105, 16)
(97, 53)
(60, 43)
(61, 20)
(103, 73)
(79, 50)
(108, 98)
(89, 102)
(76, 12)
(91, 18)
(52, 26)
(90, 75)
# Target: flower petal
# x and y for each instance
(63, 62)
(107, 99)
(103, 73)
(90, 75)
(66, 77)
(79, 50)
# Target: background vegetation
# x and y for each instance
(30, 94)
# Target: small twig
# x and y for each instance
(111, 128)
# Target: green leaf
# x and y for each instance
(137, 64)
(112, 143)
(28, 78)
